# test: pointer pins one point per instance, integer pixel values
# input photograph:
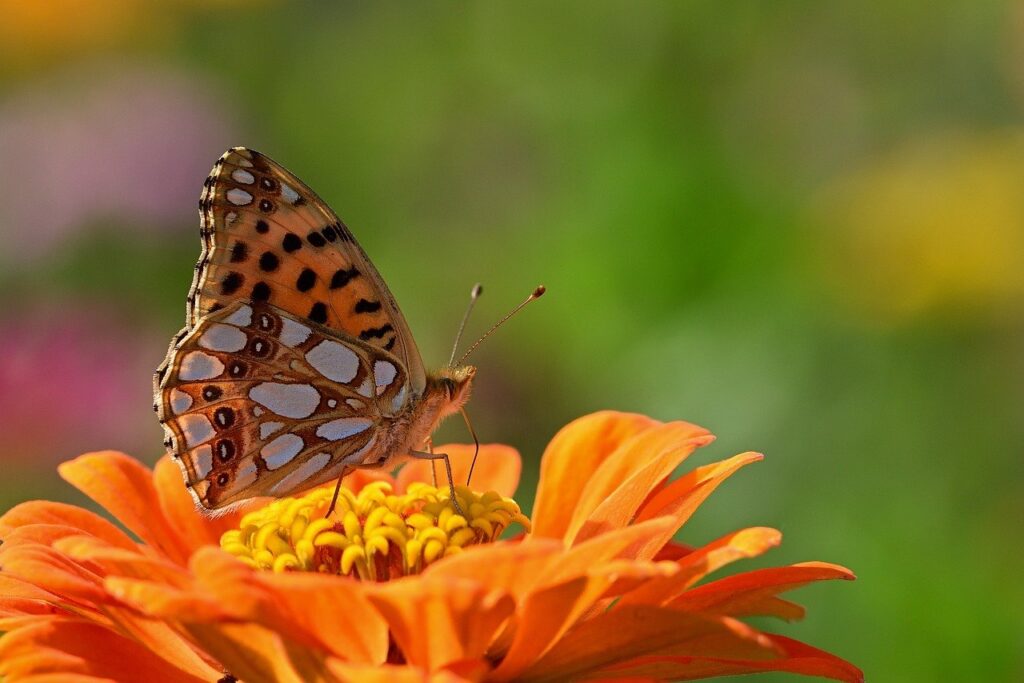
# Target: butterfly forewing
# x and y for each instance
(268, 238)
(255, 401)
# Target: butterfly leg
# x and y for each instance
(448, 468)
(433, 463)
(337, 489)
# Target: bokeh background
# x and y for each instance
(799, 224)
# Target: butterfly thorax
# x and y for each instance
(444, 394)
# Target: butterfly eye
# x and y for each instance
(449, 385)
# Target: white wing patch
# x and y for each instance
(357, 457)
(243, 177)
(289, 193)
(198, 365)
(180, 401)
(293, 333)
(287, 400)
(204, 461)
(342, 428)
(238, 196)
(334, 361)
(301, 473)
(268, 428)
(220, 337)
(282, 450)
(399, 400)
(245, 476)
(196, 429)
(383, 375)
(242, 317)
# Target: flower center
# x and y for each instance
(373, 535)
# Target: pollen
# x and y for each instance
(373, 535)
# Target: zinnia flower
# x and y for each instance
(396, 586)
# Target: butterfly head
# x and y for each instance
(454, 384)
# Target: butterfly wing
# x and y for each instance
(267, 237)
(256, 401)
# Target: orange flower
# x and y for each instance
(596, 589)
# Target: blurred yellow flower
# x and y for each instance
(937, 227)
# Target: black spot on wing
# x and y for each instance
(291, 242)
(375, 332)
(239, 252)
(366, 306)
(269, 262)
(318, 313)
(306, 280)
(231, 282)
(342, 277)
(261, 292)
(316, 239)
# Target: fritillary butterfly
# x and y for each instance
(295, 364)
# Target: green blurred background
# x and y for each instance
(799, 224)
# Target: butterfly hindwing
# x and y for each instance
(256, 401)
(268, 238)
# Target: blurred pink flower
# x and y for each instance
(104, 143)
(73, 380)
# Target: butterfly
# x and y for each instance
(295, 365)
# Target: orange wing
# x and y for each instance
(268, 238)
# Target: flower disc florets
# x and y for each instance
(374, 534)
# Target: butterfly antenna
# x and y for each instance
(536, 294)
(476, 444)
(473, 296)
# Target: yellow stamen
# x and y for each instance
(373, 535)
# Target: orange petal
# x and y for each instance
(617, 489)
(40, 534)
(193, 527)
(165, 602)
(681, 498)
(53, 572)
(438, 621)
(291, 604)
(497, 468)
(19, 607)
(12, 587)
(65, 646)
(796, 658)
(111, 560)
(62, 514)
(637, 630)
(249, 652)
(360, 478)
(696, 565)
(125, 488)
(62, 678)
(753, 593)
(362, 673)
(615, 544)
(513, 568)
(576, 451)
(545, 615)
